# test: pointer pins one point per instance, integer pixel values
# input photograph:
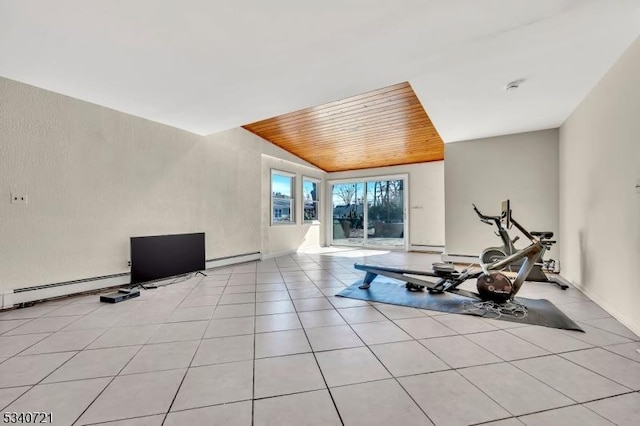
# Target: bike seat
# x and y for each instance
(542, 234)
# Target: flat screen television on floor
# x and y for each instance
(162, 256)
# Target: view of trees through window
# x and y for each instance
(310, 199)
(371, 211)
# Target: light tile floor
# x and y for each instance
(267, 343)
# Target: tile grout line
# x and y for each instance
(113, 378)
(383, 365)
(333, 401)
(186, 370)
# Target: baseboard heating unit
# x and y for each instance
(21, 296)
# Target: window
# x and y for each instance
(310, 198)
(282, 199)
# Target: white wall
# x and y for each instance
(599, 204)
(426, 198)
(521, 167)
(95, 177)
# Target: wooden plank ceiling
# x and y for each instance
(385, 127)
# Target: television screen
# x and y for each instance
(164, 256)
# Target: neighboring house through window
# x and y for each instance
(282, 199)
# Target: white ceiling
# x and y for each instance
(207, 66)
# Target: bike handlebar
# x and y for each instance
(486, 219)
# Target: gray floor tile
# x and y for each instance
(162, 356)
(277, 322)
(576, 382)
(377, 403)
(459, 352)
(610, 365)
(596, 336)
(75, 309)
(272, 296)
(333, 337)
(433, 394)
(629, 350)
(224, 349)
(280, 307)
(42, 325)
(348, 366)
(583, 310)
(11, 324)
(550, 339)
(30, 312)
(63, 341)
(125, 336)
(506, 422)
(179, 331)
(373, 333)
(321, 318)
(94, 320)
(12, 345)
(361, 314)
(308, 408)
(137, 421)
(235, 289)
(8, 395)
(464, 324)
(281, 343)
(234, 414)
(622, 410)
(215, 384)
(407, 358)
(135, 395)
(504, 384)
(237, 298)
(612, 325)
(229, 327)
(145, 316)
(66, 401)
(30, 369)
(423, 328)
(287, 374)
(270, 287)
(575, 415)
(343, 302)
(94, 363)
(305, 293)
(301, 285)
(199, 300)
(269, 277)
(191, 314)
(235, 311)
(315, 304)
(506, 346)
(399, 312)
(207, 290)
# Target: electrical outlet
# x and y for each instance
(19, 199)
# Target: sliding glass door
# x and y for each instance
(385, 213)
(348, 214)
(369, 213)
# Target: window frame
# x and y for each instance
(293, 213)
(318, 182)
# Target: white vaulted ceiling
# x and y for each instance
(207, 66)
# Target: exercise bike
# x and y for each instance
(493, 254)
(491, 283)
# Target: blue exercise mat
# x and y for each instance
(538, 311)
